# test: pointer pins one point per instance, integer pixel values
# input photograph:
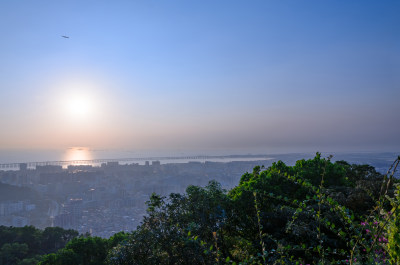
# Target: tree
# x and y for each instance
(11, 254)
(54, 238)
(179, 230)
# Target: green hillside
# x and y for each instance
(315, 212)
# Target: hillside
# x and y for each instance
(315, 212)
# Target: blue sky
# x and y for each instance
(265, 75)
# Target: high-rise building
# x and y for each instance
(23, 166)
(18, 221)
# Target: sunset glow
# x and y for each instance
(77, 153)
(180, 75)
(78, 99)
(79, 106)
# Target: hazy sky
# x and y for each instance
(273, 75)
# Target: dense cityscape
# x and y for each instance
(106, 199)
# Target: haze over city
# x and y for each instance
(268, 76)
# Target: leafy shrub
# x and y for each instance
(394, 229)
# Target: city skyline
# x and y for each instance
(226, 75)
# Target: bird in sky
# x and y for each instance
(66, 37)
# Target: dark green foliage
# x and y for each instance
(84, 250)
(81, 250)
(169, 234)
(13, 253)
(25, 245)
(62, 257)
(313, 169)
(394, 229)
(54, 238)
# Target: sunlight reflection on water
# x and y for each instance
(77, 153)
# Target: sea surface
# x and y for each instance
(85, 153)
(380, 160)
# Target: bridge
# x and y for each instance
(19, 165)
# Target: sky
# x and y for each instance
(279, 76)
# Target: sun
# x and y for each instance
(79, 106)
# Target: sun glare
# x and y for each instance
(77, 99)
(79, 106)
(77, 153)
